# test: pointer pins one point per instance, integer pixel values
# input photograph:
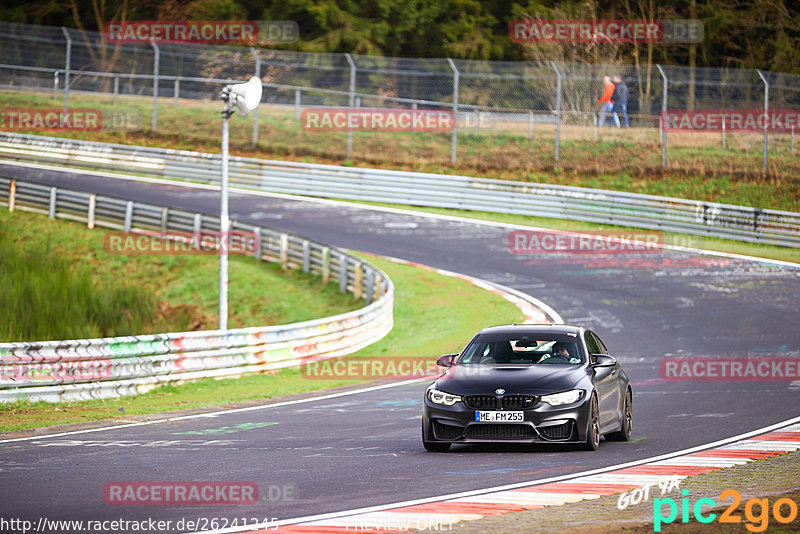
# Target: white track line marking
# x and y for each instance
(220, 412)
(599, 475)
(776, 445)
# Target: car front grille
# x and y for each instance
(499, 431)
(490, 402)
(518, 402)
(481, 402)
(558, 432)
(443, 431)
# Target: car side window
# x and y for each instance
(591, 345)
(600, 344)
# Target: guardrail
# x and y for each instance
(710, 219)
(99, 368)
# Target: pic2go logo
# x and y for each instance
(784, 511)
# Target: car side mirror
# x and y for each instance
(604, 360)
(446, 360)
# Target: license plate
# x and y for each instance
(500, 417)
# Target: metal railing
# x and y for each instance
(98, 368)
(560, 96)
(694, 217)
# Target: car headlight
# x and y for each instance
(440, 397)
(567, 397)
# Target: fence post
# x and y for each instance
(370, 286)
(90, 217)
(52, 211)
(284, 251)
(177, 91)
(376, 292)
(358, 276)
(12, 194)
(723, 132)
(55, 84)
(254, 140)
(766, 120)
(156, 59)
(351, 102)
(116, 89)
(342, 273)
(297, 104)
(326, 264)
(197, 229)
(663, 120)
(792, 150)
(454, 141)
(558, 111)
(594, 124)
(67, 68)
(530, 125)
(257, 243)
(126, 226)
(306, 256)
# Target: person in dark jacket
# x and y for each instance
(620, 98)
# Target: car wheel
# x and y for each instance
(624, 433)
(593, 432)
(433, 446)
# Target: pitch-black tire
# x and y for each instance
(624, 434)
(593, 430)
(434, 446)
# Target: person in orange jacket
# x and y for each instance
(605, 100)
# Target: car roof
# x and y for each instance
(530, 329)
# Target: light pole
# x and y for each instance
(241, 98)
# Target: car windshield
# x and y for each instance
(534, 349)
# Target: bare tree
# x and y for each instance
(103, 56)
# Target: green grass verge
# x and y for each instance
(624, 160)
(64, 285)
(433, 315)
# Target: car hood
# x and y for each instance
(515, 379)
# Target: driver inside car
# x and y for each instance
(561, 352)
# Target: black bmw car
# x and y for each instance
(529, 384)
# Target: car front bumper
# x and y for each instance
(542, 424)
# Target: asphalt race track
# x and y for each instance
(364, 449)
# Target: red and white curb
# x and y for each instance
(441, 514)
(535, 311)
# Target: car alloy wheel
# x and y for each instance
(624, 433)
(593, 432)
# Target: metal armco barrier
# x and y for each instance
(711, 219)
(99, 368)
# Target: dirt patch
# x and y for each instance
(190, 316)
